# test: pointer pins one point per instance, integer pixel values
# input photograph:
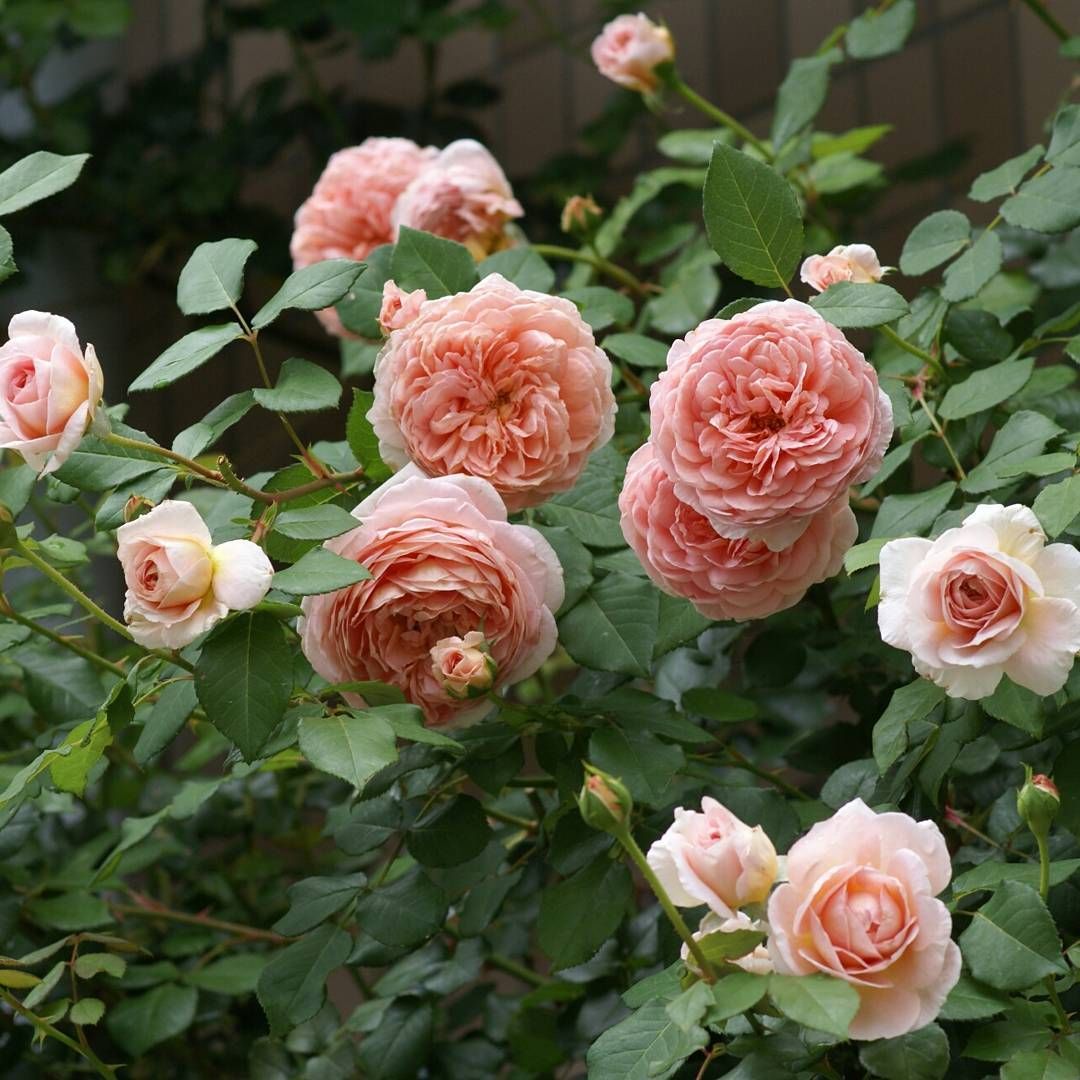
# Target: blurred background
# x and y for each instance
(213, 118)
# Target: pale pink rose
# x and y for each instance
(398, 306)
(757, 961)
(711, 857)
(443, 559)
(847, 262)
(463, 666)
(764, 419)
(987, 599)
(179, 583)
(348, 214)
(629, 49)
(462, 195)
(49, 389)
(723, 577)
(859, 905)
(499, 382)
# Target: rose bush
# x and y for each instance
(627, 680)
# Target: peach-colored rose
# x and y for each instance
(629, 49)
(499, 382)
(711, 857)
(859, 904)
(462, 195)
(443, 559)
(179, 583)
(463, 666)
(757, 961)
(399, 307)
(847, 262)
(987, 599)
(348, 214)
(724, 578)
(764, 419)
(49, 389)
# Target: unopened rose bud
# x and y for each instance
(136, 506)
(629, 50)
(464, 667)
(847, 262)
(580, 216)
(399, 307)
(604, 802)
(1038, 802)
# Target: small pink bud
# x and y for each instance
(604, 802)
(399, 308)
(629, 50)
(580, 215)
(464, 667)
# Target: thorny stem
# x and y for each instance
(692, 97)
(67, 643)
(238, 930)
(927, 358)
(935, 424)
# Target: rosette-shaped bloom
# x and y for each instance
(723, 577)
(630, 48)
(764, 419)
(499, 382)
(443, 560)
(846, 262)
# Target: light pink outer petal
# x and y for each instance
(1058, 568)
(1019, 532)
(242, 574)
(175, 635)
(70, 437)
(1044, 661)
(44, 324)
(897, 563)
(171, 519)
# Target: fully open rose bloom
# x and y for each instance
(629, 49)
(724, 578)
(859, 904)
(764, 419)
(498, 382)
(462, 195)
(179, 583)
(847, 262)
(443, 560)
(711, 857)
(49, 389)
(987, 599)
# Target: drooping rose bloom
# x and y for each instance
(179, 583)
(348, 214)
(711, 857)
(987, 599)
(757, 961)
(630, 48)
(846, 262)
(764, 419)
(724, 578)
(443, 560)
(463, 666)
(462, 195)
(859, 905)
(398, 306)
(49, 389)
(498, 382)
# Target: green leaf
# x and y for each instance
(911, 515)
(919, 1055)
(87, 1011)
(989, 875)
(87, 965)
(351, 746)
(970, 1000)
(359, 308)
(408, 721)
(98, 466)
(190, 352)
(1041, 465)
(1065, 138)
(320, 522)
(691, 287)
(243, 679)
(233, 975)
(572, 924)
(456, 832)
(865, 554)
(909, 704)
(878, 33)
(855, 141)
(801, 95)
(977, 335)
(590, 509)
(1005, 179)
(88, 741)
(614, 625)
(679, 623)
(142, 1022)
(439, 267)
(292, 986)
(986, 388)
(1015, 705)
(719, 705)
(816, 1001)
(1011, 942)
(722, 945)
(319, 571)
(36, 177)
(601, 307)
(313, 900)
(647, 1045)
(643, 763)
(1038, 1065)
(934, 240)
(59, 687)
(752, 218)
(193, 440)
(1058, 505)
(7, 255)
(522, 266)
(311, 288)
(973, 269)
(735, 993)
(167, 717)
(404, 913)
(363, 441)
(692, 146)
(576, 562)
(1025, 434)
(637, 349)
(398, 1048)
(301, 387)
(213, 277)
(1049, 203)
(855, 304)
(646, 188)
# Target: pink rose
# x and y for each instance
(49, 389)
(499, 382)
(713, 858)
(629, 49)
(724, 578)
(398, 306)
(463, 666)
(179, 583)
(443, 559)
(987, 599)
(462, 195)
(348, 214)
(757, 961)
(859, 904)
(847, 262)
(764, 419)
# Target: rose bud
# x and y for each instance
(1038, 802)
(398, 306)
(604, 802)
(464, 667)
(629, 50)
(847, 262)
(580, 216)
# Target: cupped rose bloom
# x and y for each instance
(399, 307)
(724, 578)
(987, 599)
(499, 382)
(179, 583)
(847, 262)
(443, 559)
(630, 48)
(757, 961)
(348, 214)
(49, 389)
(764, 419)
(463, 666)
(859, 904)
(462, 195)
(711, 857)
